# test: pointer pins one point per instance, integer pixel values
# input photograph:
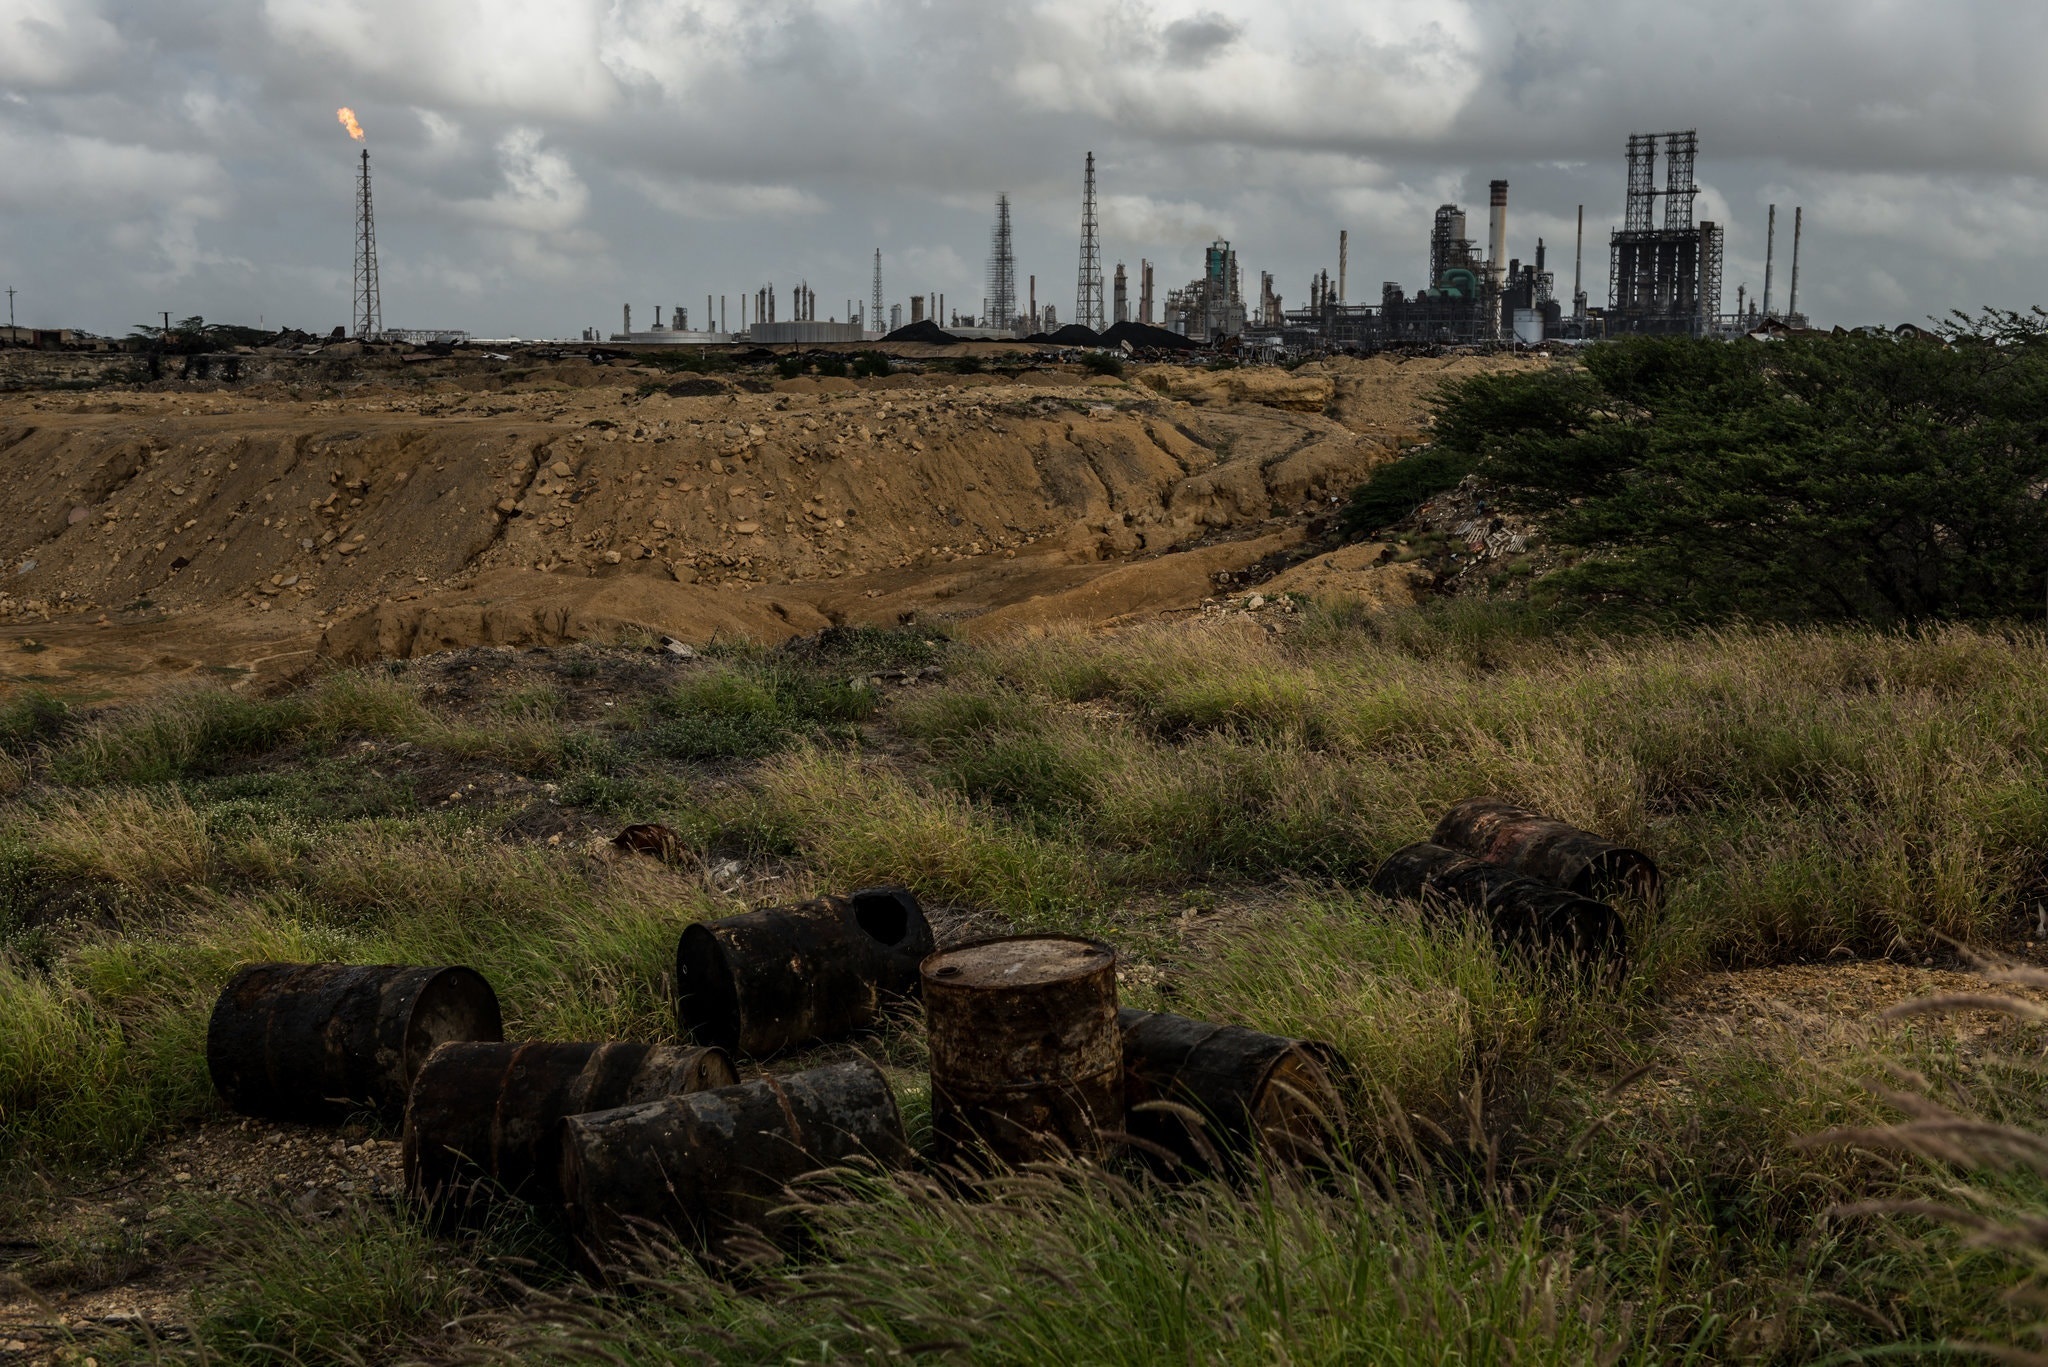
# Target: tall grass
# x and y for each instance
(1211, 796)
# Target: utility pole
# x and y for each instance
(10, 308)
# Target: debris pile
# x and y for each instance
(1031, 1059)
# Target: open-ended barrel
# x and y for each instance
(486, 1118)
(1548, 850)
(1026, 1058)
(1525, 914)
(320, 1041)
(711, 1167)
(1217, 1096)
(782, 977)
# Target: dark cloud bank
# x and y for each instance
(540, 163)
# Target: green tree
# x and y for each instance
(1862, 477)
(1858, 477)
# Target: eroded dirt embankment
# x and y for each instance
(232, 527)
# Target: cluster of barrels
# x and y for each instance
(1543, 886)
(1031, 1058)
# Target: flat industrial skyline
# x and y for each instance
(539, 164)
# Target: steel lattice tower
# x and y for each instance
(875, 323)
(1088, 298)
(369, 308)
(1002, 270)
(1680, 151)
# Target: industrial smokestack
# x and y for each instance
(1121, 300)
(1798, 216)
(1343, 260)
(1497, 230)
(1578, 261)
(628, 328)
(1145, 292)
(1770, 252)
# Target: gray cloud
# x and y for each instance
(540, 161)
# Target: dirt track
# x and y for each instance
(254, 531)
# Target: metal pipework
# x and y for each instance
(782, 977)
(1026, 1057)
(1217, 1097)
(1525, 915)
(713, 1167)
(319, 1042)
(486, 1118)
(1545, 848)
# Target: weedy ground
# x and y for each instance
(1545, 1168)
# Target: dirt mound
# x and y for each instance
(923, 330)
(1073, 334)
(1361, 572)
(1144, 336)
(394, 519)
(1303, 393)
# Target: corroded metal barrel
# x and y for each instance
(319, 1041)
(712, 1167)
(487, 1117)
(783, 977)
(1547, 849)
(650, 838)
(1026, 1058)
(1524, 913)
(1215, 1095)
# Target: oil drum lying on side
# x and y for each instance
(487, 1117)
(319, 1041)
(1026, 1058)
(711, 1167)
(783, 977)
(1548, 850)
(1217, 1095)
(1525, 915)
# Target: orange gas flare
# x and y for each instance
(348, 121)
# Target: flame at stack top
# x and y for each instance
(347, 117)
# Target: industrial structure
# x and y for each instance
(1663, 278)
(1210, 307)
(1000, 309)
(369, 305)
(1088, 292)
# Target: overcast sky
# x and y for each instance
(539, 162)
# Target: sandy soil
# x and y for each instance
(153, 535)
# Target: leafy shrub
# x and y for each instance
(1102, 363)
(870, 364)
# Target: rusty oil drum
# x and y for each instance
(485, 1117)
(1548, 850)
(713, 1167)
(1026, 1057)
(1219, 1097)
(783, 977)
(321, 1041)
(1524, 914)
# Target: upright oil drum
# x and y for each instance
(1222, 1097)
(783, 977)
(319, 1041)
(1026, 1058)
(1552, 851)
(487, 1117)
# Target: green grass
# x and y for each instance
(1208, 796)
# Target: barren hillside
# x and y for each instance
(255, 527)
